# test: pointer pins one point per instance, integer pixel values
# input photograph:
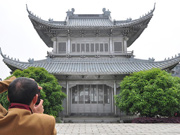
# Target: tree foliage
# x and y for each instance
(51, 92)
(149, 93)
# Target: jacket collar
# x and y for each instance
(20, 106)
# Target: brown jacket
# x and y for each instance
(17, 121)
(22, 122)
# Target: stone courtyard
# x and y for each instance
(117, 129)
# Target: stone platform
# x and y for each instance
(117, 129)
(89, 119)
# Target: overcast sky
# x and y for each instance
(18, 38)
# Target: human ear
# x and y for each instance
(35, 99)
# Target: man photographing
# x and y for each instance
(23, 116)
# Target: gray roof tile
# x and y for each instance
(96, 66)
(89, 22)
(84, 22)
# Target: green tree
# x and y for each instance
(149, 93)
(51, 92)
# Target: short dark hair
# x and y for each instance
(22, 90)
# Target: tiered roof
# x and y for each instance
(84, 22)
(93, 66)
(114, 65)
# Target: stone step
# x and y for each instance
(91, 120)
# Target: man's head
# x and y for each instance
(22, 90)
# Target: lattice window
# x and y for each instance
(78, 47)
(62, 47)
(100, 94)
(101, 47)
(106, 47)
(92, 47)
(87, 94)
(106, 94)
(91, 94)
(94, 94)
(73, 47)
(82, 48)
(117, 46)
(87, 47)
(75, 95)
(97, 47)
(81, 94)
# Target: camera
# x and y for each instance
(39, 97)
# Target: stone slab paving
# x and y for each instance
(117, 129)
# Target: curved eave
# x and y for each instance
(113, 26)
(140, 23)
(36, 21)
(42, 35)
(137, 34)
(95, 66)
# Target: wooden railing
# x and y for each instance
(120, 53)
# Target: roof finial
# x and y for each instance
(31, 60)
(151, 59)
(27, 9)
(1, 53)
(73, 10)
(70, 13)
(154, 6)
(104, 9)
(106, 12)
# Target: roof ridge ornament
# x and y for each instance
(151, 12)
(106, 12)
(154, 7)
(151, 59)
(31, 61)
(31, 13)
(4, 56)
(50, 19)
(27, 9)
(70, 13)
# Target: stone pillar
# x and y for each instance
(54, 40)
(125, 43)
(112, 100)
(67, 99)
(113, 97)
(110, 44)
(54, 47)
(68, 45)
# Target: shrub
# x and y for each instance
(51, 92)
(156, 120)
(149, 93)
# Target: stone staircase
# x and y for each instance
(91, 119)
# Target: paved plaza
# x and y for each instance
(117, 129)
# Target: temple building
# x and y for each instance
(90, 58)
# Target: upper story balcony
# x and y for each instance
(91, 54)
(94, 48)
